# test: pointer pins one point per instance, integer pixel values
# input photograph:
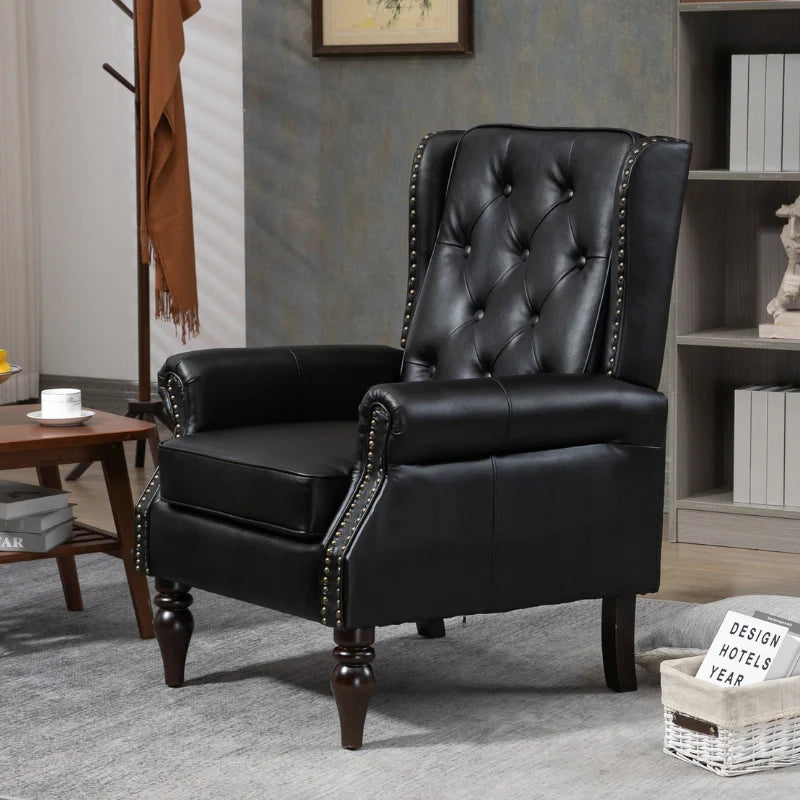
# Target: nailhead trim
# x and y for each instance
(175, 398)
(332, 604)
(140, 550)
(630, 161)
(412, 237)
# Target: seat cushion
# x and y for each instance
(288, 479)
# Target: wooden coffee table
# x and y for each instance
(24, 443)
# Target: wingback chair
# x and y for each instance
(510, 454)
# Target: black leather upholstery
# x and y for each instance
(236, 560)
(507, 532)
(430, 171)
(289, 478)
(518, 277)
(453, 420)
(513, 454)
(250, 386)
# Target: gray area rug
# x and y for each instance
(512, 706)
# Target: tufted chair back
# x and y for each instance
(542, 261)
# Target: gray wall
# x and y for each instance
(328, 142)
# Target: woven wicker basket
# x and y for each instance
(725, 730)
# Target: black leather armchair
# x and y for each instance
(510, 455)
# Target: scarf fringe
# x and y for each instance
(188, 321)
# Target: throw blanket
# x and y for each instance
(165, 211)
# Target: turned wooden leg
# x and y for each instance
(353, 681)
(431, 628)
(619, 621)
(174, 625)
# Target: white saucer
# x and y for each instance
(66, 422)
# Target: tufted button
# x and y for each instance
(525, 254)
(582, 261)
(534, 320)
(467, 251)
(507, 190)
(478, 314)
(432, 370)
(487, 374)
(570, 194)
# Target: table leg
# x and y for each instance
(49, 476)
(119, 495)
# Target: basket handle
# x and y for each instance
(694, 724)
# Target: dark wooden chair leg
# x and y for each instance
(353, 681)
(138, 461)
(619, 622)
(174, 625)
(431, 628)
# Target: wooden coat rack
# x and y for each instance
(145, 406)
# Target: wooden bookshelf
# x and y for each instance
(730, 262)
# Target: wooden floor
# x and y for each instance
(693, 573)
(699, 573)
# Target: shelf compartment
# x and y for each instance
(705, 44)
(739, 5)
(702, 409)
(730, 257)
(741, 338)
(727, 175)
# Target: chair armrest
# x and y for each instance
(232, 387)
(437, 421)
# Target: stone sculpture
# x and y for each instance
(787, 323)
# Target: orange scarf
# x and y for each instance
(165, 202)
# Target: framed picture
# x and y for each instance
(368, 27)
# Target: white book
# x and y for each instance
(756, 107)
(773, 113)
(776, 417)
(741, 443)
(738, 133)
(36, 523)
(19, 499)
(36, 542)
(790, 161)
(748, 650)
(792, 664)
(758, 443)
(791, 488)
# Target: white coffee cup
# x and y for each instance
(61, 403)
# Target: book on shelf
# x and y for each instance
(738, 132)
(751, 649)
(764, 133)
(21, 499)
(758, 444)
(773, 112)
(756, 111)
(20, 542)
(776, 444)
(790, 159)
(766, 459)
(741, 443)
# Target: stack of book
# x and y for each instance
(766, 445)
(765, 113)
(33, 518)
